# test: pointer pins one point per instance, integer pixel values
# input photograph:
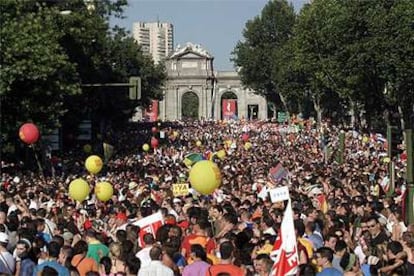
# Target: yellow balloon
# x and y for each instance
(365, 139)
(145, 147)
(104, 191)
(228, 143)
(79, 189)
(221, 154)
(175, 133)
(198, 144)
(94, 164)
(386, 160)
(205, 177)
(87, 148)
(248, 146)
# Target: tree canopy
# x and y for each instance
(258, 57)
(350, 58)
(49, 49)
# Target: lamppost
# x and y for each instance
(410, 171)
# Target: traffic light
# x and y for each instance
(394, 139)
(134, 88)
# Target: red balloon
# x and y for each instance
(245, 137)
(154, 130)
(29, 133)
(154, 142)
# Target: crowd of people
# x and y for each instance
(347, 221)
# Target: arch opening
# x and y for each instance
(229, 106)
(190, 105)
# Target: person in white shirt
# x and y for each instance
(156, 267)
(7, 262)
(11, 204)
(144, 254)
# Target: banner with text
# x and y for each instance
(180, 189)
(229, 109)
(285, 253)
(151, 112)
(149, 224)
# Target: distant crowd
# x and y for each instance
(348, 218)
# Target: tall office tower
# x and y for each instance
(156, 38)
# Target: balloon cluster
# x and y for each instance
(79, 189)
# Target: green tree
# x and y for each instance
(47, 54)
(105, 55)
(353, 48)
(259, 56)
(36, 74)
(394, 28)
(310, 56)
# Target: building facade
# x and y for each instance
(155, 38)
(218, 94)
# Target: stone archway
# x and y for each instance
(190, 105)
(228, 106)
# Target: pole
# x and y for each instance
(410, 177)
(341, 147)
(1, 137)
(391, 174)
(389, 141)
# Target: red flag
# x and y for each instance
(322, 203)
(151, 113)
(149, 224)
(285, 252)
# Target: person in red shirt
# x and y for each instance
(226, 265)
(199, 236)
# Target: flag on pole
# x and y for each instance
(278, 173)
(192, 158)
(149, 224)
(285, 252)
(322, 203)
(385, 184)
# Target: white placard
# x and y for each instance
(279, 194)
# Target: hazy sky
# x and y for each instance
(216, 25)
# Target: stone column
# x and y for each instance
(263, 108)
(177, 105)
(242, 103)
(216, 103)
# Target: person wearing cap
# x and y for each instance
(121, 218)
(350, 265)
(67, 237)
(7, 262)
(24, 264)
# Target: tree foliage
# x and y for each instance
(258, 57)
(36, 74)
(49, 49)
(346, 56)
